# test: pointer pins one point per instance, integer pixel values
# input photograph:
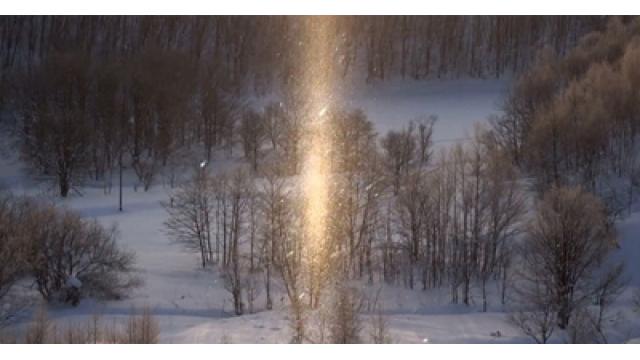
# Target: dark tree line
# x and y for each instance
(259, 49)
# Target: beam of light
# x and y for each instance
(315, 183)
(317, 86)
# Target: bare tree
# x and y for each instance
(252, 288)
(235, 278)
(240, 188)
(424, 138)
(190, 214)
(273, 197)
(504, 212)
(345, 323)
(400, 151)
(410, 217)
(54, 120)
(289, 253)
(146, 167)
(356, 191)
(538, 323)
(565, 246)
(252, 135)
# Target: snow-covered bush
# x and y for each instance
(70, 257)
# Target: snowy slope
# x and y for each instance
(191, 303)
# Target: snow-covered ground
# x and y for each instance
(457, 104)
(191, 304)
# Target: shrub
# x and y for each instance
(70, 257)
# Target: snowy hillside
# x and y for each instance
(192, 305)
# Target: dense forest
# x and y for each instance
(259, 50)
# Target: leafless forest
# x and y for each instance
(527, 204)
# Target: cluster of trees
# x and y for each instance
(395, 215)
(399, 214)
(570, 124)
(217, 216)
(211, 216)
(573, 120)
(66, 256)
(75, 119)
